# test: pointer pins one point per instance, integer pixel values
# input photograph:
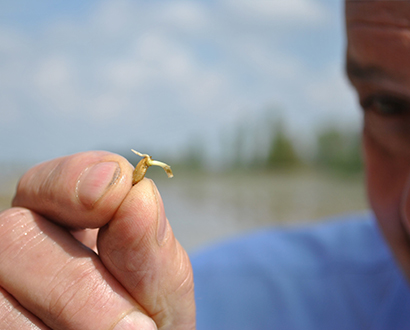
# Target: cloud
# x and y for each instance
(184, 15)
(332, 97)
(289, 12)
(173, 66)
(54, 79)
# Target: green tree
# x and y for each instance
(340, 151)
(195, 155)
(281, 152)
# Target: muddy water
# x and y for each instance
(204, 208)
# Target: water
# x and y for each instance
(204, 208)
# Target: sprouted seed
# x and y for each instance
(143, 165)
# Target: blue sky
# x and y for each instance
(157, 75)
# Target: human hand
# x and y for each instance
(49, 279)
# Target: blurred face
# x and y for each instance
(378, 65)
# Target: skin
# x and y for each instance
(378, 66)
(50, 279)
(140, 266)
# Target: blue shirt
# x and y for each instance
(339, 274)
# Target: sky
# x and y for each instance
(158, 76)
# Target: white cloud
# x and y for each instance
(54, 74)
(111, 18)
(125, 74)
(55, 85)
(9, 111)
(106, 107)
(171, 60)
(299, 12)
(10, 42)
(186, 15)
(178, 66)
(331, 96)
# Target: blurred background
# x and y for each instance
(246, 99)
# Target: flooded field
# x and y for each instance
(203, 208)
(207, 208)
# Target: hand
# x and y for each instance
(141, 277)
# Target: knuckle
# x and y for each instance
(45, 186)
(34, 189)
(14, 223)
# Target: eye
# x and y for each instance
(385, 105)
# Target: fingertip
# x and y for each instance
(139, 249)
(131, 234)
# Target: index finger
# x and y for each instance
(78, 191)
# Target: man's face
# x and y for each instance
(378, 65)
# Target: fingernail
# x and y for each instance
(162, 222)
(136, 320)
(95, 181)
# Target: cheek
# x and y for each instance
(386, 176)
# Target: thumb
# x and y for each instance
(138, 247)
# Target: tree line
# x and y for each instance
(267, 149)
